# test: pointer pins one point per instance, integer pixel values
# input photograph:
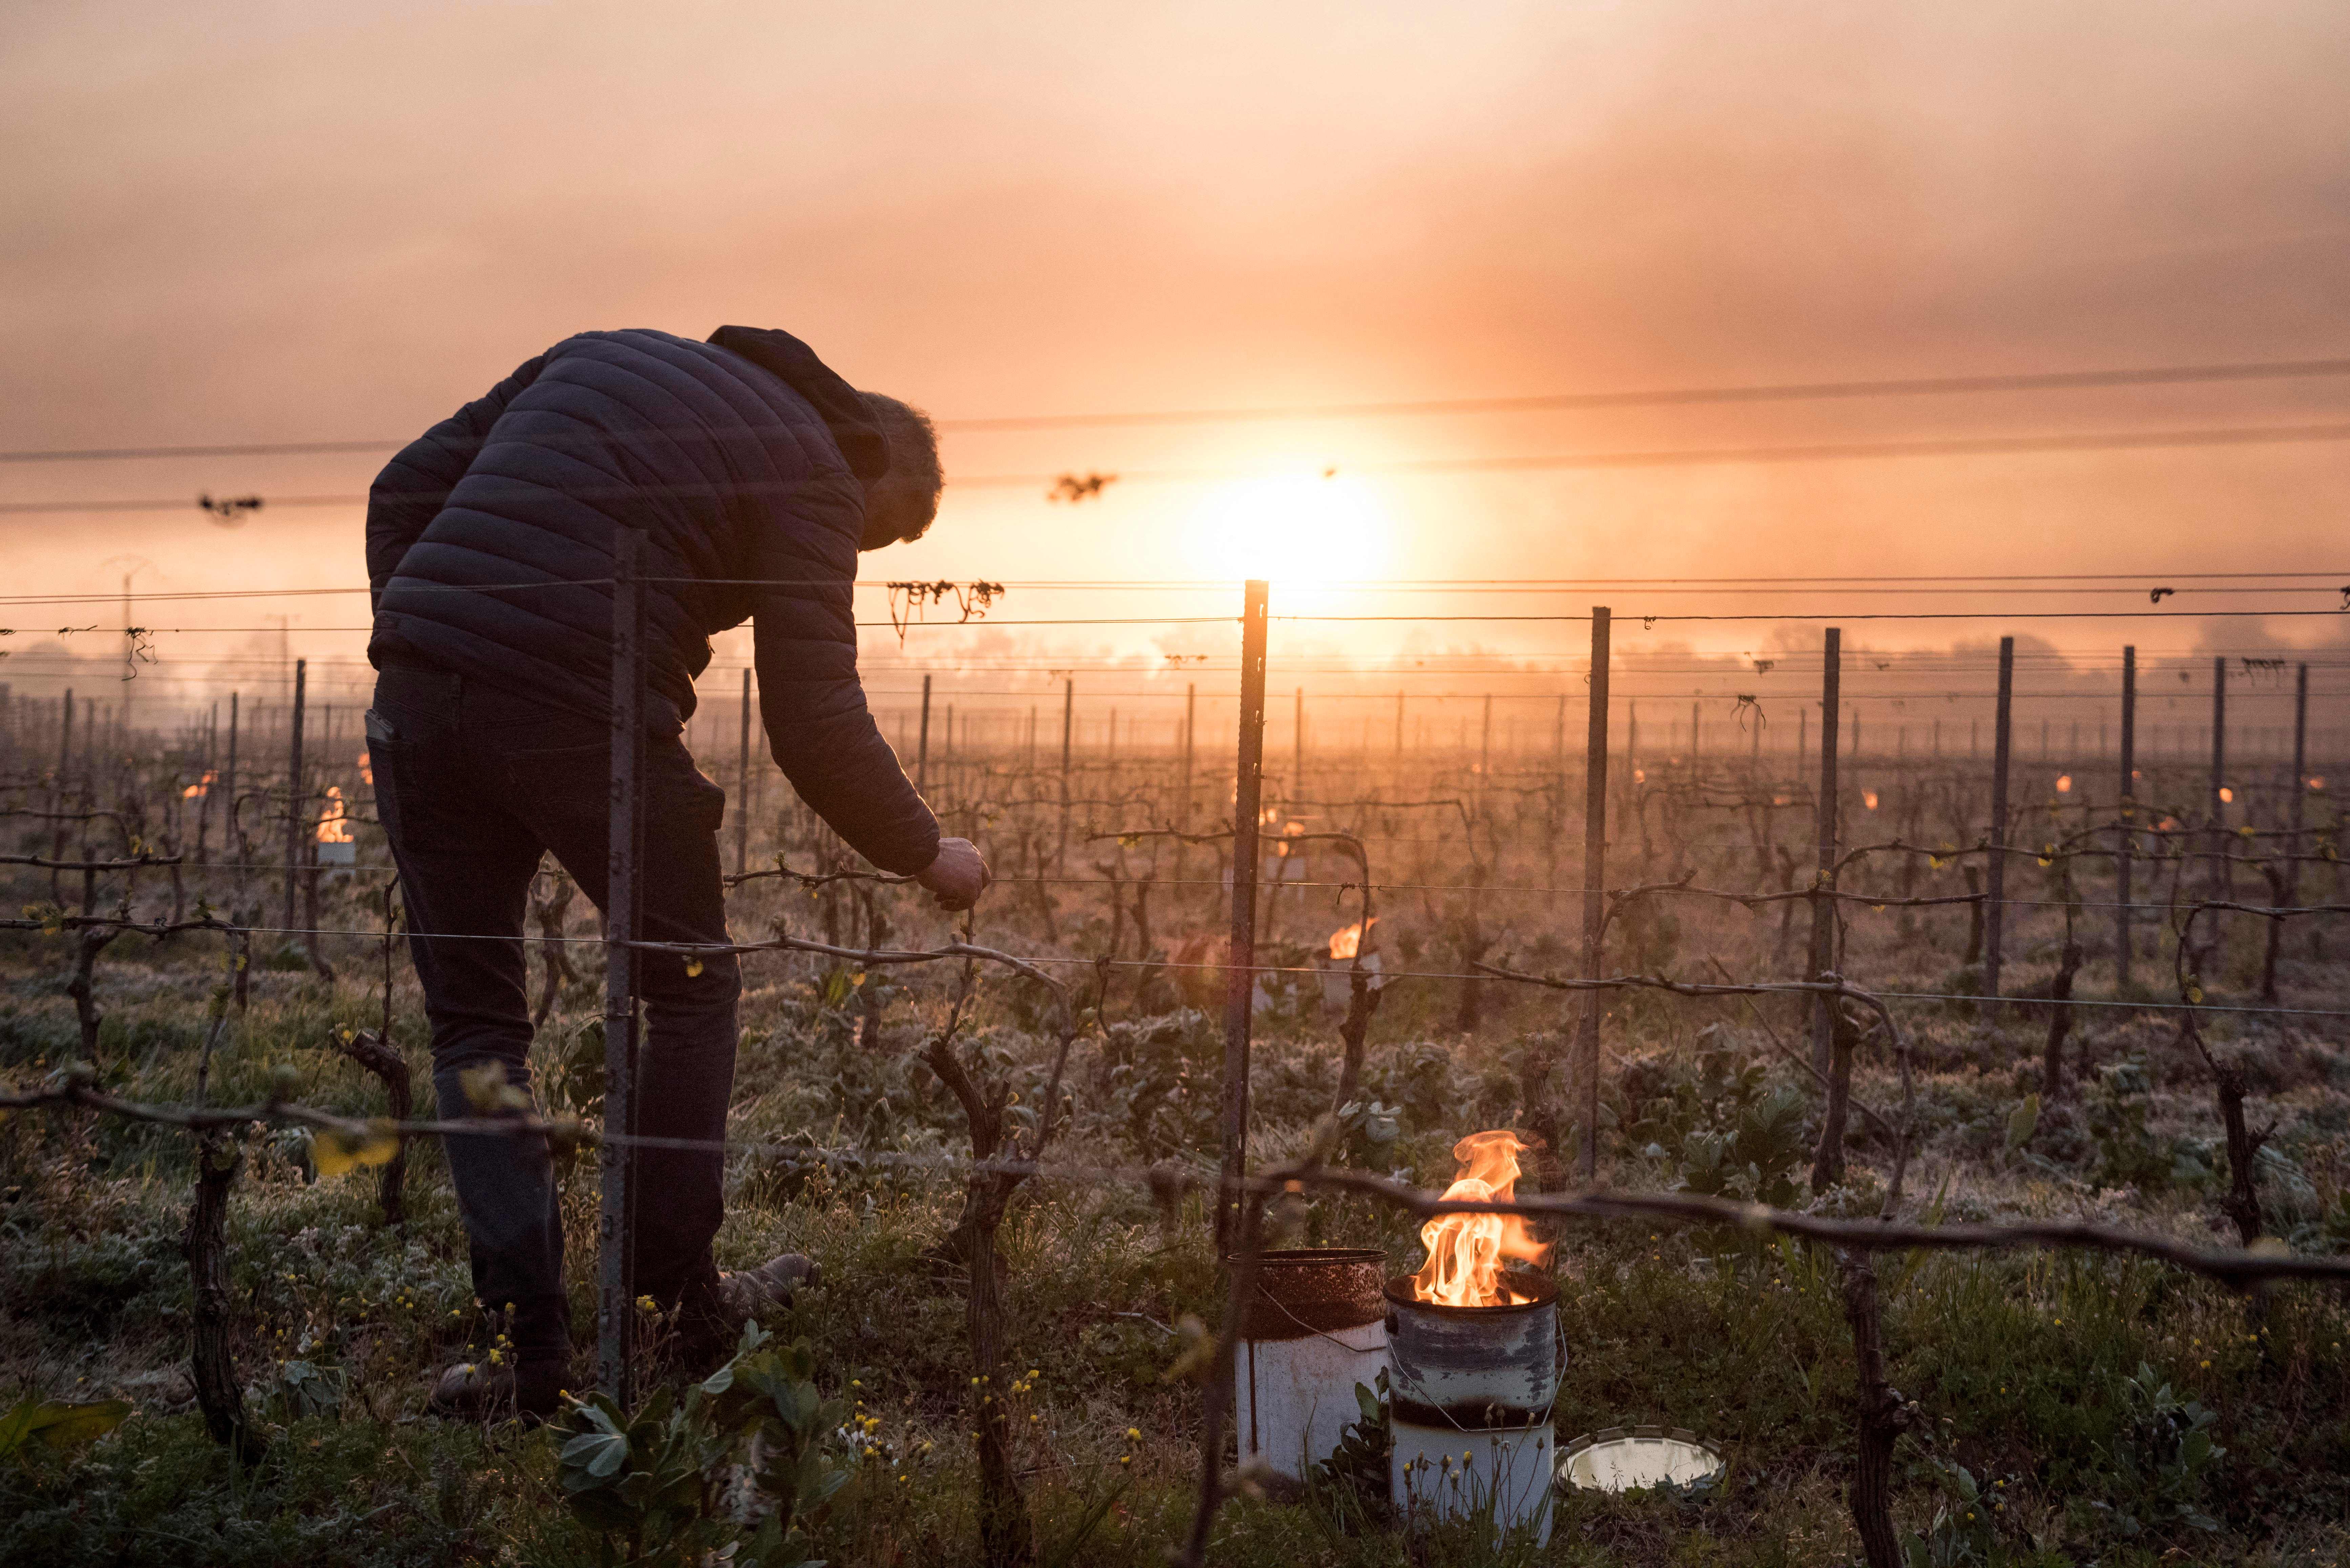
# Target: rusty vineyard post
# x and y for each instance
(1398, 749)
(615, 1216)
(922, 740)
(1595, 901)
(1696, 733)
(743, 784)
(2223, 874)
(294, 795)
(2125, 837)
(1823, 901)
(1240, 969)
(1995, 873)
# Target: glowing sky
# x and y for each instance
(290, 221)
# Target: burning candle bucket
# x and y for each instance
(1315, 1327)
(1471, 1390)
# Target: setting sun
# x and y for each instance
(1300, 529)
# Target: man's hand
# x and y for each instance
(958, 875)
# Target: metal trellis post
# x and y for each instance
(2126, 838)
(1996, 875)
(1068, 725)
(2223, 874)
(742, 786)
(229, 840)
(1595, 902)
(2300, 783)
(614, 1224)
(1239, 971)
(1824, 912)
(1190, 726)
(294, 795)
(922, 740)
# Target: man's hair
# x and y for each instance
(906, 498)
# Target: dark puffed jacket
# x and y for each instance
(744, 459)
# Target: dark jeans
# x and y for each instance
(472, 783)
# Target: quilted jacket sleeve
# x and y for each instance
(415, 485)
(822, 733)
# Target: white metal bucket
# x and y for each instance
(1508, 1477)
(1316, 1328)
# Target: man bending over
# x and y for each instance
(756, 475)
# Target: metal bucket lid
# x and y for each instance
(1613, 1459)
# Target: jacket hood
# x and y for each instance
(852, 424)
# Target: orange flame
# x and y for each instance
(201, 787)
(332, 828)
(1465, 1252)
(1347, 940)
(367, 769)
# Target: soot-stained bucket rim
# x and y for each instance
(1294, 1257)
(1543, 1288)
(1305, 1290)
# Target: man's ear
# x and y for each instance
(879, 533)
(896, 512)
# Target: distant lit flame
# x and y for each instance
(332, 828)
(2316, 783)
(2065, 784)
(1347, 940)
(1465, 1252)
(2226, 794)
(1868, 798)
(367, 769)
(199, 789)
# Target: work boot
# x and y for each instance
(500, 1390)
(711, 1316)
